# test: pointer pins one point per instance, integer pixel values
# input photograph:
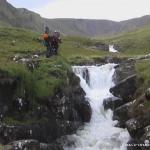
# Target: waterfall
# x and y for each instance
(112, 49)
(99, 133)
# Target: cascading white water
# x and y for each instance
(100, 133)
(112, 49)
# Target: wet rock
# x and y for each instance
(22, 145)
(126, 88)
(84, 72)
(122, 114)
(85, 111)
(43, 146)
(20, 104)
(140, 142)
(118, 47)
(51, 118)
(86, 75)
(139, 107)
(147, 94)
(13, 133)
(8, 86)
(115, 60)
(102, 46)
(81, 105)
(54, 147)
(32, 64)
(145, 139)
(45, 131)
(112, 103)
(31, 61)
(135, 126)
(141, 57)
(123, 70)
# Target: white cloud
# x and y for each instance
(96, 9)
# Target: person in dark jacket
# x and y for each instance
(55, 41)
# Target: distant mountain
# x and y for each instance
(20, 17)
(24, 18)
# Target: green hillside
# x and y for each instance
(134, 43)
(45, 80)
(16, 41)
(51, 74)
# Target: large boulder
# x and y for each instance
(112, 103)
(135, 126)
(123, 69)
(7, 89)
(126, 88)
(122, 114)
(147, 94)
(140, 142)
(52, 146)
(86, 75)
(85, 111)
(22, 145)
(145, 139)
(45, 131)
(51, 117)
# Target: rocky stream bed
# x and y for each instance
(68, 110)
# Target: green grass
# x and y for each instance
(51, 73)
(28, 41)
(41, 82)
(24, 39)
(73, 50)
(1, 147)
(133, 43)
(12, 121)
(143, 70)
(73, 47)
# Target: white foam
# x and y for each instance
(111, 49)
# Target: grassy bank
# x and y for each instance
(51, 71)
(133, 43)
(72, 50)
(143, 69)
(51, 74)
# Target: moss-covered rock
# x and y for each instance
(53, 105)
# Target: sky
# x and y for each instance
(116, 10)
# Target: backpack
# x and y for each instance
(45, 36)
